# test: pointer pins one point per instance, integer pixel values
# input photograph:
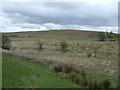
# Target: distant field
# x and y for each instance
(99, 58)
(19, 73)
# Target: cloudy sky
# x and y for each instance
(32, 16)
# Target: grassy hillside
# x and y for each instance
(19, 73)
(84, 52)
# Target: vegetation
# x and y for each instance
(110, 36)
(30, 75)
(6, 43)
(57, 68)
(81, 78)
(68, 68)
(101, 36)
(83, 51)
(40, 45)
(64, 46)
(106, 84)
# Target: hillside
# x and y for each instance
(80, 49)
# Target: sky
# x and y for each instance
(91, 15)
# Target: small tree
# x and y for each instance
(6, 43)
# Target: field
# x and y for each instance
(84, 51)
(28, 74)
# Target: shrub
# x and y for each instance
(73, 76)
(64, 46)
(101, 36)
(6, 43)
(57, 68)
(40, 45)
(68, 69)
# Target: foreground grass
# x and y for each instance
(20, 73)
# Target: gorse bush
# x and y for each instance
(6, 43)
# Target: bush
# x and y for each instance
(57, 68)
(68, 69)
(101, 36)
(73, 76)
(40, 45)
(64, 46)
(6, 43)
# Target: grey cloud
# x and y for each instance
(62, 13)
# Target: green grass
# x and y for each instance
(20, 73)
(101, 77)
(95, 77)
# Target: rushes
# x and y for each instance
(80, 78)
(106, 84)
(57, 68)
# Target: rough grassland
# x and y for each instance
(20, 73)
(98, 58)
(85, 51)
